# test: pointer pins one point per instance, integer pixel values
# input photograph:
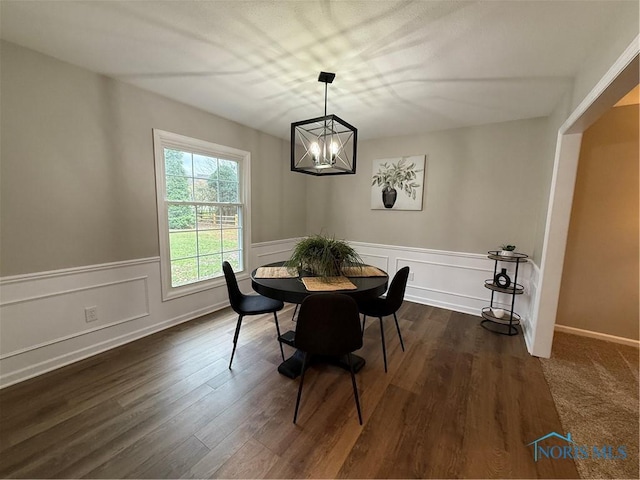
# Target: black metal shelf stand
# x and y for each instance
(505, 324)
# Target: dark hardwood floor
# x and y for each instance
(460, 402)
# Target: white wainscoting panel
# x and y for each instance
(529, 320)
(37, 321)
(269, 252)
(42, 315)
(451, 280)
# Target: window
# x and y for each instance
(202, 191)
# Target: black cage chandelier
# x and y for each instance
(324, 145)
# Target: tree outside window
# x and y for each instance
(202, 209)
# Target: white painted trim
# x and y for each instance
(525, 320)
(597, 335)
(448, 265)
(69, 337)
(276, 252)
(453, 294)
(456, 307)
(91, 350)
(461, 275)
(384, 257)
(79, 289)
(76, 270)
(162, 139)
(443, 279)
(31, 351)
(419, 250)
(617, 81)
(536, 268)
(145, 279)
(270, 243)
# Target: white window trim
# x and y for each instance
(162, 139)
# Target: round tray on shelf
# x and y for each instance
(513, 289)
(487, 314)
(514, 257)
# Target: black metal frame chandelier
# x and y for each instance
(324, 145)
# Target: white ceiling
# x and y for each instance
(401, 66)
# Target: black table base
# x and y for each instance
(292, 290)
(292, 367)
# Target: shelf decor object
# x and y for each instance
(507, 250)
(502, 279)
(324, 145)
(496, 319)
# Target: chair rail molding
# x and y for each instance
(42, 315)
(441, 278)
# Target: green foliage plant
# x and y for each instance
(180, 216)
(507, 247)
(400, 176)
(223, 182)
(323, 256)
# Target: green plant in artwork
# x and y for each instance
(323, 256)
(398, 176)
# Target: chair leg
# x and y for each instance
(278, 332)
(295, 310)
(304, 368)
(364, 319)
(235, 339)
(384, 348)
(399, 334)
(355, 388)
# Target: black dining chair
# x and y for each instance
(245, 305)
(328, 325)
(384, 306)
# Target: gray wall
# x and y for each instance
(554, 122)
(77, 180)
(483, 188)
(77, 171)
(609, 47)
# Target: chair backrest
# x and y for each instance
(235, 295)
(395, 295)
(328, 324)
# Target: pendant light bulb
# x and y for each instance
(314, 149)
(335, 148)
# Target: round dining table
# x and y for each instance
(293, 290)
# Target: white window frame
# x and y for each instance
(163, 139)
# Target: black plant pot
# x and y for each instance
(389, 196)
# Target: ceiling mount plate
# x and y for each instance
(326, 77)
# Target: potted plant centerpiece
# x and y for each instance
(507, 250)
(394, 177)
(323, 256)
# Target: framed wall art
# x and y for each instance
(398, 183)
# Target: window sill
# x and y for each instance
(176, 292)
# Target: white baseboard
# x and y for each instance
(42, 316)
(597, 335)
(70, 357)
(450, 280)
(43, 322)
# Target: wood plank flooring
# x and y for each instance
(460, 402)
